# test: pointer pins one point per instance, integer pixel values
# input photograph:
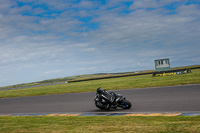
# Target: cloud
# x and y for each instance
(152, 4)
(52, 39)
(85, 4)
(142, 26)
(144, 4)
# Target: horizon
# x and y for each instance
(87, 74)
(42, 40)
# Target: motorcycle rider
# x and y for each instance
(102, 103)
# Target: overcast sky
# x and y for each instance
(45, 39)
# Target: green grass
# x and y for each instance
(97, 124)
(90, 76)
(142, 81)
(57, 80)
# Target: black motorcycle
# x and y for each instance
(110, 100)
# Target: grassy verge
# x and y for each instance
(109, 84)
(90, 124)
(58, 80)
(91, 77)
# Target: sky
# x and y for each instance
(46, 39)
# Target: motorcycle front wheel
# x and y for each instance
(125, 104)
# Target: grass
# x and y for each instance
(50, 81)
(97, 124)
(90, 76)
(131, 82)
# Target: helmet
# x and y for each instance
(99, 90)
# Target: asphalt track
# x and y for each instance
(159, 99)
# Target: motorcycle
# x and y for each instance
(110, 100)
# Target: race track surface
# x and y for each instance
(161, 99)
